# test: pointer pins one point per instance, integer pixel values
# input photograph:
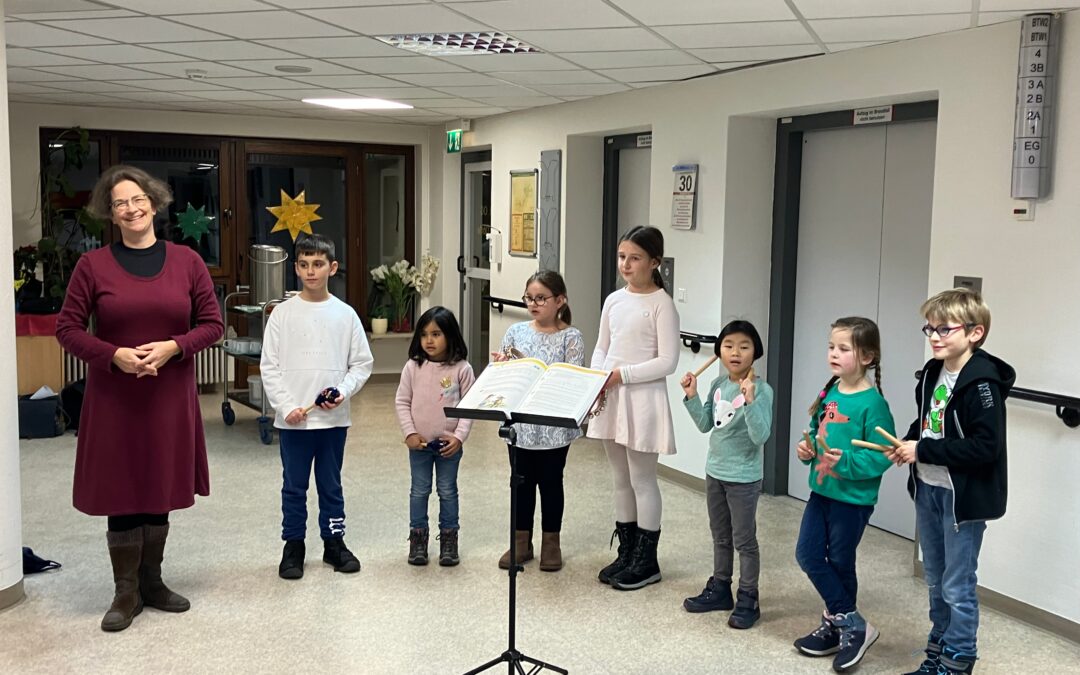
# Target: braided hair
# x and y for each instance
(866, 340)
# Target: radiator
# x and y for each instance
(208, 367)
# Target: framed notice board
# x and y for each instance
(523, 213)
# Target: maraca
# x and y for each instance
(328, 395)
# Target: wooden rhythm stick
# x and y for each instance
(702, 369)
(806, 437)
(870, 446)
(889, 437)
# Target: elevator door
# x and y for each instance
(864, 249)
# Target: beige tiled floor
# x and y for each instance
(393, 618)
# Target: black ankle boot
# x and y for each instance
(418, 541)
(643, 568)
(292, 559)
(747, 611)
(626, 533)
(448, 548)
(338, 555)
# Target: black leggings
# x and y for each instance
(543, 469)
(133, 520)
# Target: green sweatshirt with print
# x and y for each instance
(840, 419)
(735, 452)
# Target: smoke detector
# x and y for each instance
(195, 73)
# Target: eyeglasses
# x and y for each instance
(539, 300)
(943, 330)
(137, 202)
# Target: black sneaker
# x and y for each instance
(292, 560)
(929, 666)
(856, 636)
(448, 548)
(418, 539)
(955, 663)
(338, 555)
(715, 596)
(747, 611)
(823, 641)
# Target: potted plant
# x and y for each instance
(379, 320)
(401, 282)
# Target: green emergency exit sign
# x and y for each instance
(453, 141)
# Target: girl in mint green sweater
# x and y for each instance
(738, 412)
(844, 482)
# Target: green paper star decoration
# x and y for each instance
(194, 223)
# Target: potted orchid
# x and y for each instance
(401, 282)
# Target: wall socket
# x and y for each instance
(681, 297)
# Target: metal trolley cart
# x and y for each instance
(245, 350)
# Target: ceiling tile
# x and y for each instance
(845, 46)
(473, 112)
(160, 96)
(103, 13)
(144, 29)
(737, 34)
(632, 59)
(305, 4)
(719, 54)
(657, 73)
(985, 18)
(888, 28)
(511, 15)
(439, 104)
(446, 79)
(492, 90)
(733, 65)
(653, 13)
(1029, 5)
(173, 84)
(94, 86)
(116, 54)
(297, 94)
(266, 25)
(392, 65)
(179, 69)
(581, 89)
(339, 81)
(592, 39)
(12, 7)
(829, 9)
(486, 63)
(417, 96)
(26, 34)
(224, 50)
(78, 97)
(97, 72)
(520, 101)
(317, 67)
(163, 7)
(259, 83)
(530, 78)
(24, 88)
(30, 75)
(334, 47)
(398, 19)
(233, 95)
(29, 57)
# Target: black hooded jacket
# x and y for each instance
(973, 442)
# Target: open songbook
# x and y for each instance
(530, 391)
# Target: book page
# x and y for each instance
(503, 385)
(564, 391)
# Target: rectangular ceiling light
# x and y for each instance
(459, 44)
(357, 103)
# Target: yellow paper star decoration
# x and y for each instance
(294, 215)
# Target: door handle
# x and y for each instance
(476, 261)
(461, 264)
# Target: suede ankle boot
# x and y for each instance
(153, 590)
(550, 552)
(626, 532)
(125, 552)
(523, 549)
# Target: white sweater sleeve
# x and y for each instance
(667, 347)
(360, 361)
(603, 340)
(277, 395)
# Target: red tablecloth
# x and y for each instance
(35, 324)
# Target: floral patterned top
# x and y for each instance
(564, 346)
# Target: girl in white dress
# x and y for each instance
(639, 344)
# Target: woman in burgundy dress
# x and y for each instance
(141, 451)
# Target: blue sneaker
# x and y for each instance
(715, 596)
(823, 641)
(856, 636)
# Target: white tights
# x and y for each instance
(637, 492)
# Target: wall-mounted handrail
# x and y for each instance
(1066, 407)
(695, 340)
(501, 303)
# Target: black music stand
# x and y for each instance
(512, 657)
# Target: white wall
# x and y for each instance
(1025, 266)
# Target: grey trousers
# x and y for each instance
(733, 521)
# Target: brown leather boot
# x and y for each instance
(153, 590)
(125, 551)
(523, 549)
(550, 552)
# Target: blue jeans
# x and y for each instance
(299, 448)
(421, 463)
(830, 533)
(950, 558)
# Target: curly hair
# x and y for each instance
(100, 205)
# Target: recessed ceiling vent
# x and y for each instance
(459, 44)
